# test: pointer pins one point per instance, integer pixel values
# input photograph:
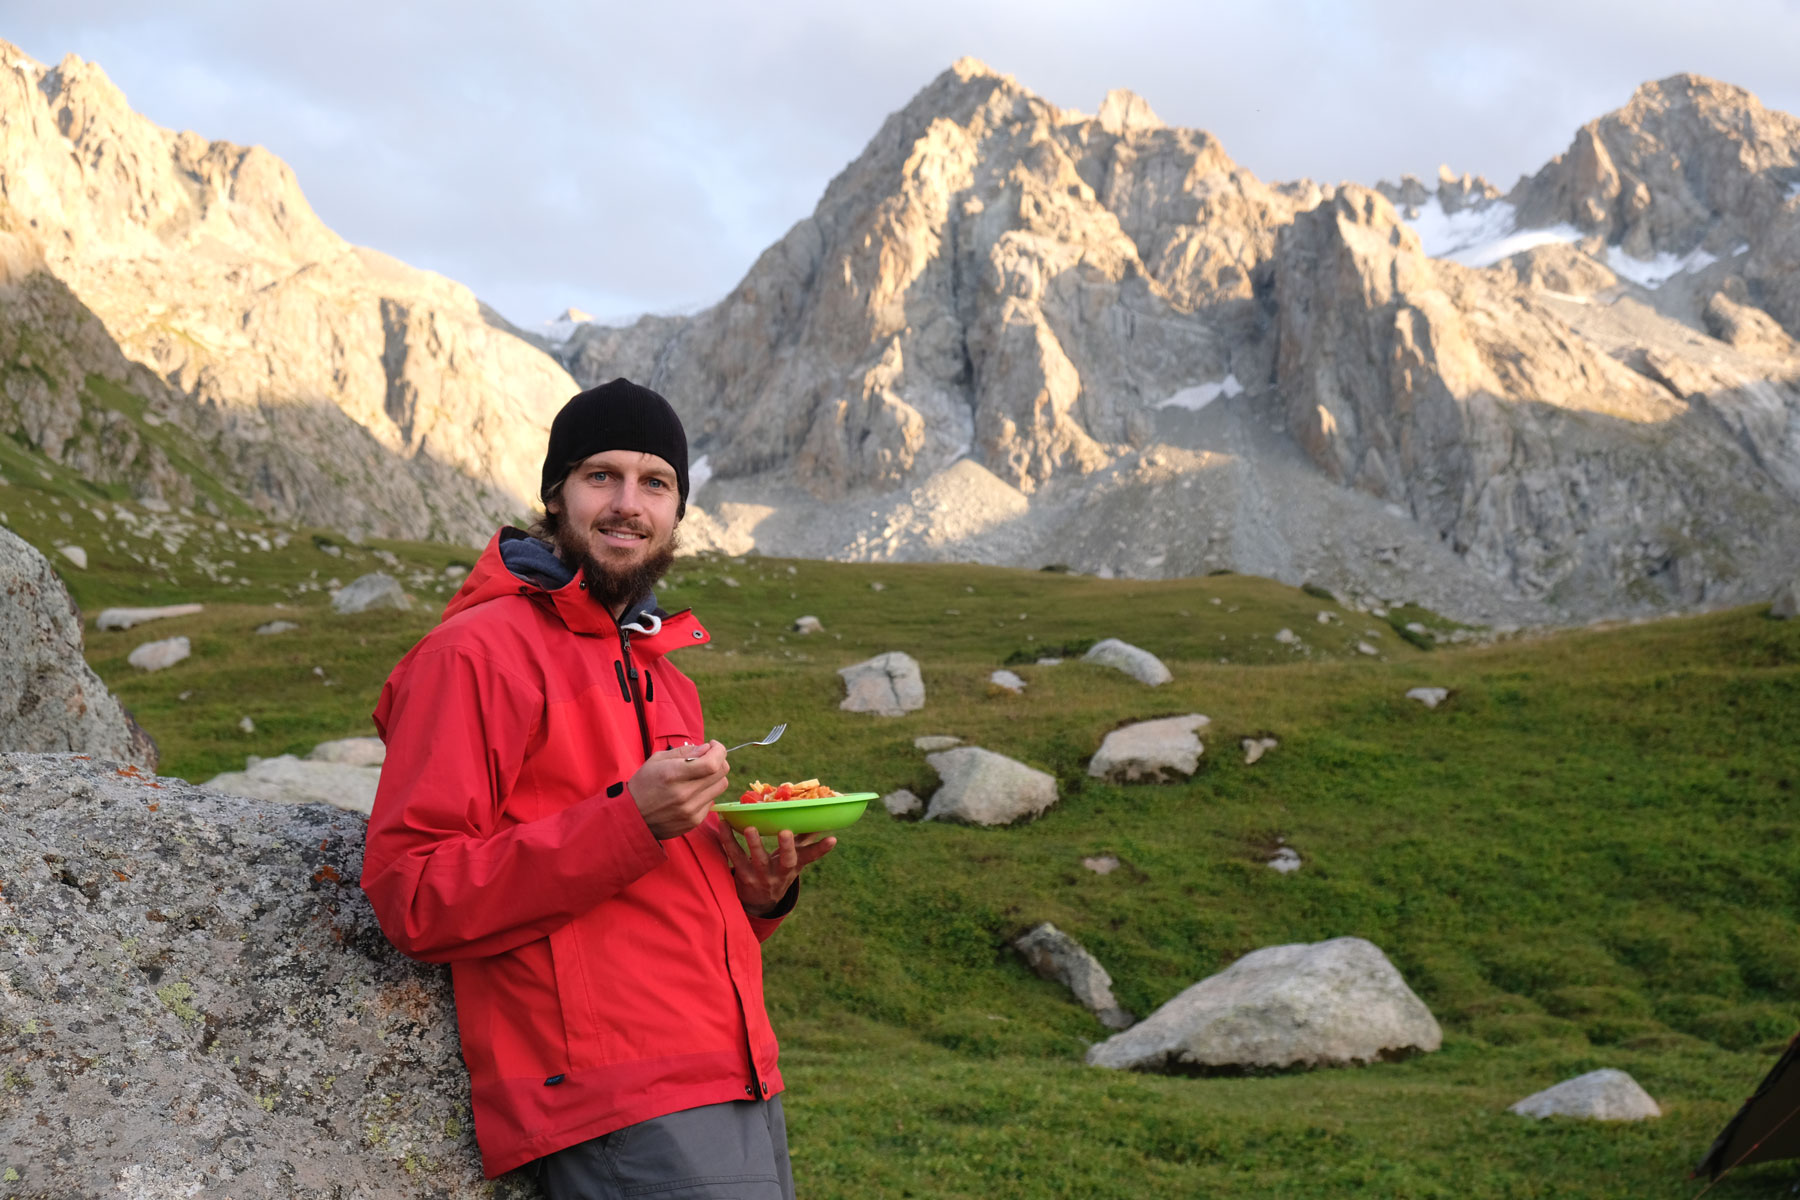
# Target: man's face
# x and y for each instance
(616, 522)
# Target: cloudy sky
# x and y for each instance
(625, 160)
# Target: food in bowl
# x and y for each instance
(760, 792)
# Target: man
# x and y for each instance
(544, 825)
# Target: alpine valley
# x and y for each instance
(1010, 333)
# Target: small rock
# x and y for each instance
(1365, 648)
(290, 780)
(276, 627)
(1604, 1095)
(1321, 1004)
(1049, 662)
(1786, 605)
(1101, 864)
(933, 742)
(1007, 681)
(902, 803)
(1286, 860)
(1255, 748)
(1326, 618)
(1286, 637)
(1430, 697)
(1416, 627)
(370, 592)
(352, 752)
(74, 554)
(888, 685)
(455, 571)
(1150, 751)
(984, 788)
(807, 625)
(728, 581)
(1141, 665)
(878, 587)
(1056, 956)
(247, 725)
(155, 656)
(125, 618)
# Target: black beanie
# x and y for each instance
(620, 415)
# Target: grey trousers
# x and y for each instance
(731, 1151)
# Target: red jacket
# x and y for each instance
(602, 977)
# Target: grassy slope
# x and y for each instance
(1587, 858)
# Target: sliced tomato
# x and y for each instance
(784, 792)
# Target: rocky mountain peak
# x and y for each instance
(1125, 112)
(1687, 164)
(337, 385)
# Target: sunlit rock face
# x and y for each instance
(324, 382)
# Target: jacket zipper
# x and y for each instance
(755, 1089)
(637, 698)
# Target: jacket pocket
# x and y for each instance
(569, 968)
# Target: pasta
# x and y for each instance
(810, 789)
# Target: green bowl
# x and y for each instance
(820, 815)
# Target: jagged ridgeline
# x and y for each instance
(1009, 332)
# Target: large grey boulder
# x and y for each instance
(1141, 665)
(1603, 1095)
(1786, 605)
(125, 618)
(984, 788)
(290, 780)
(371, 591)
(352, 752)
(888, 685)
(201, 1004)
(1304, 1005)
(50, 699)
(1056, 956)
(1150, 750)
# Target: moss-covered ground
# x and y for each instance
(1589, 856)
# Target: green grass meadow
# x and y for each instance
(1589, 856)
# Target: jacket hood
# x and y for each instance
(517, 564)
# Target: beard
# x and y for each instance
(615, 588)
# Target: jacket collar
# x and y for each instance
(569, 600)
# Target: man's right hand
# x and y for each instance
(673, 793)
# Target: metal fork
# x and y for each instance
(774, 735)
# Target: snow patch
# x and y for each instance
(1199, 396)
(1482, 236)
(1654, 272)
(1793, 191)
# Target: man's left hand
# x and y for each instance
(763, 879)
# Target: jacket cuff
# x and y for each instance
(627, 831)
(765, 925)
